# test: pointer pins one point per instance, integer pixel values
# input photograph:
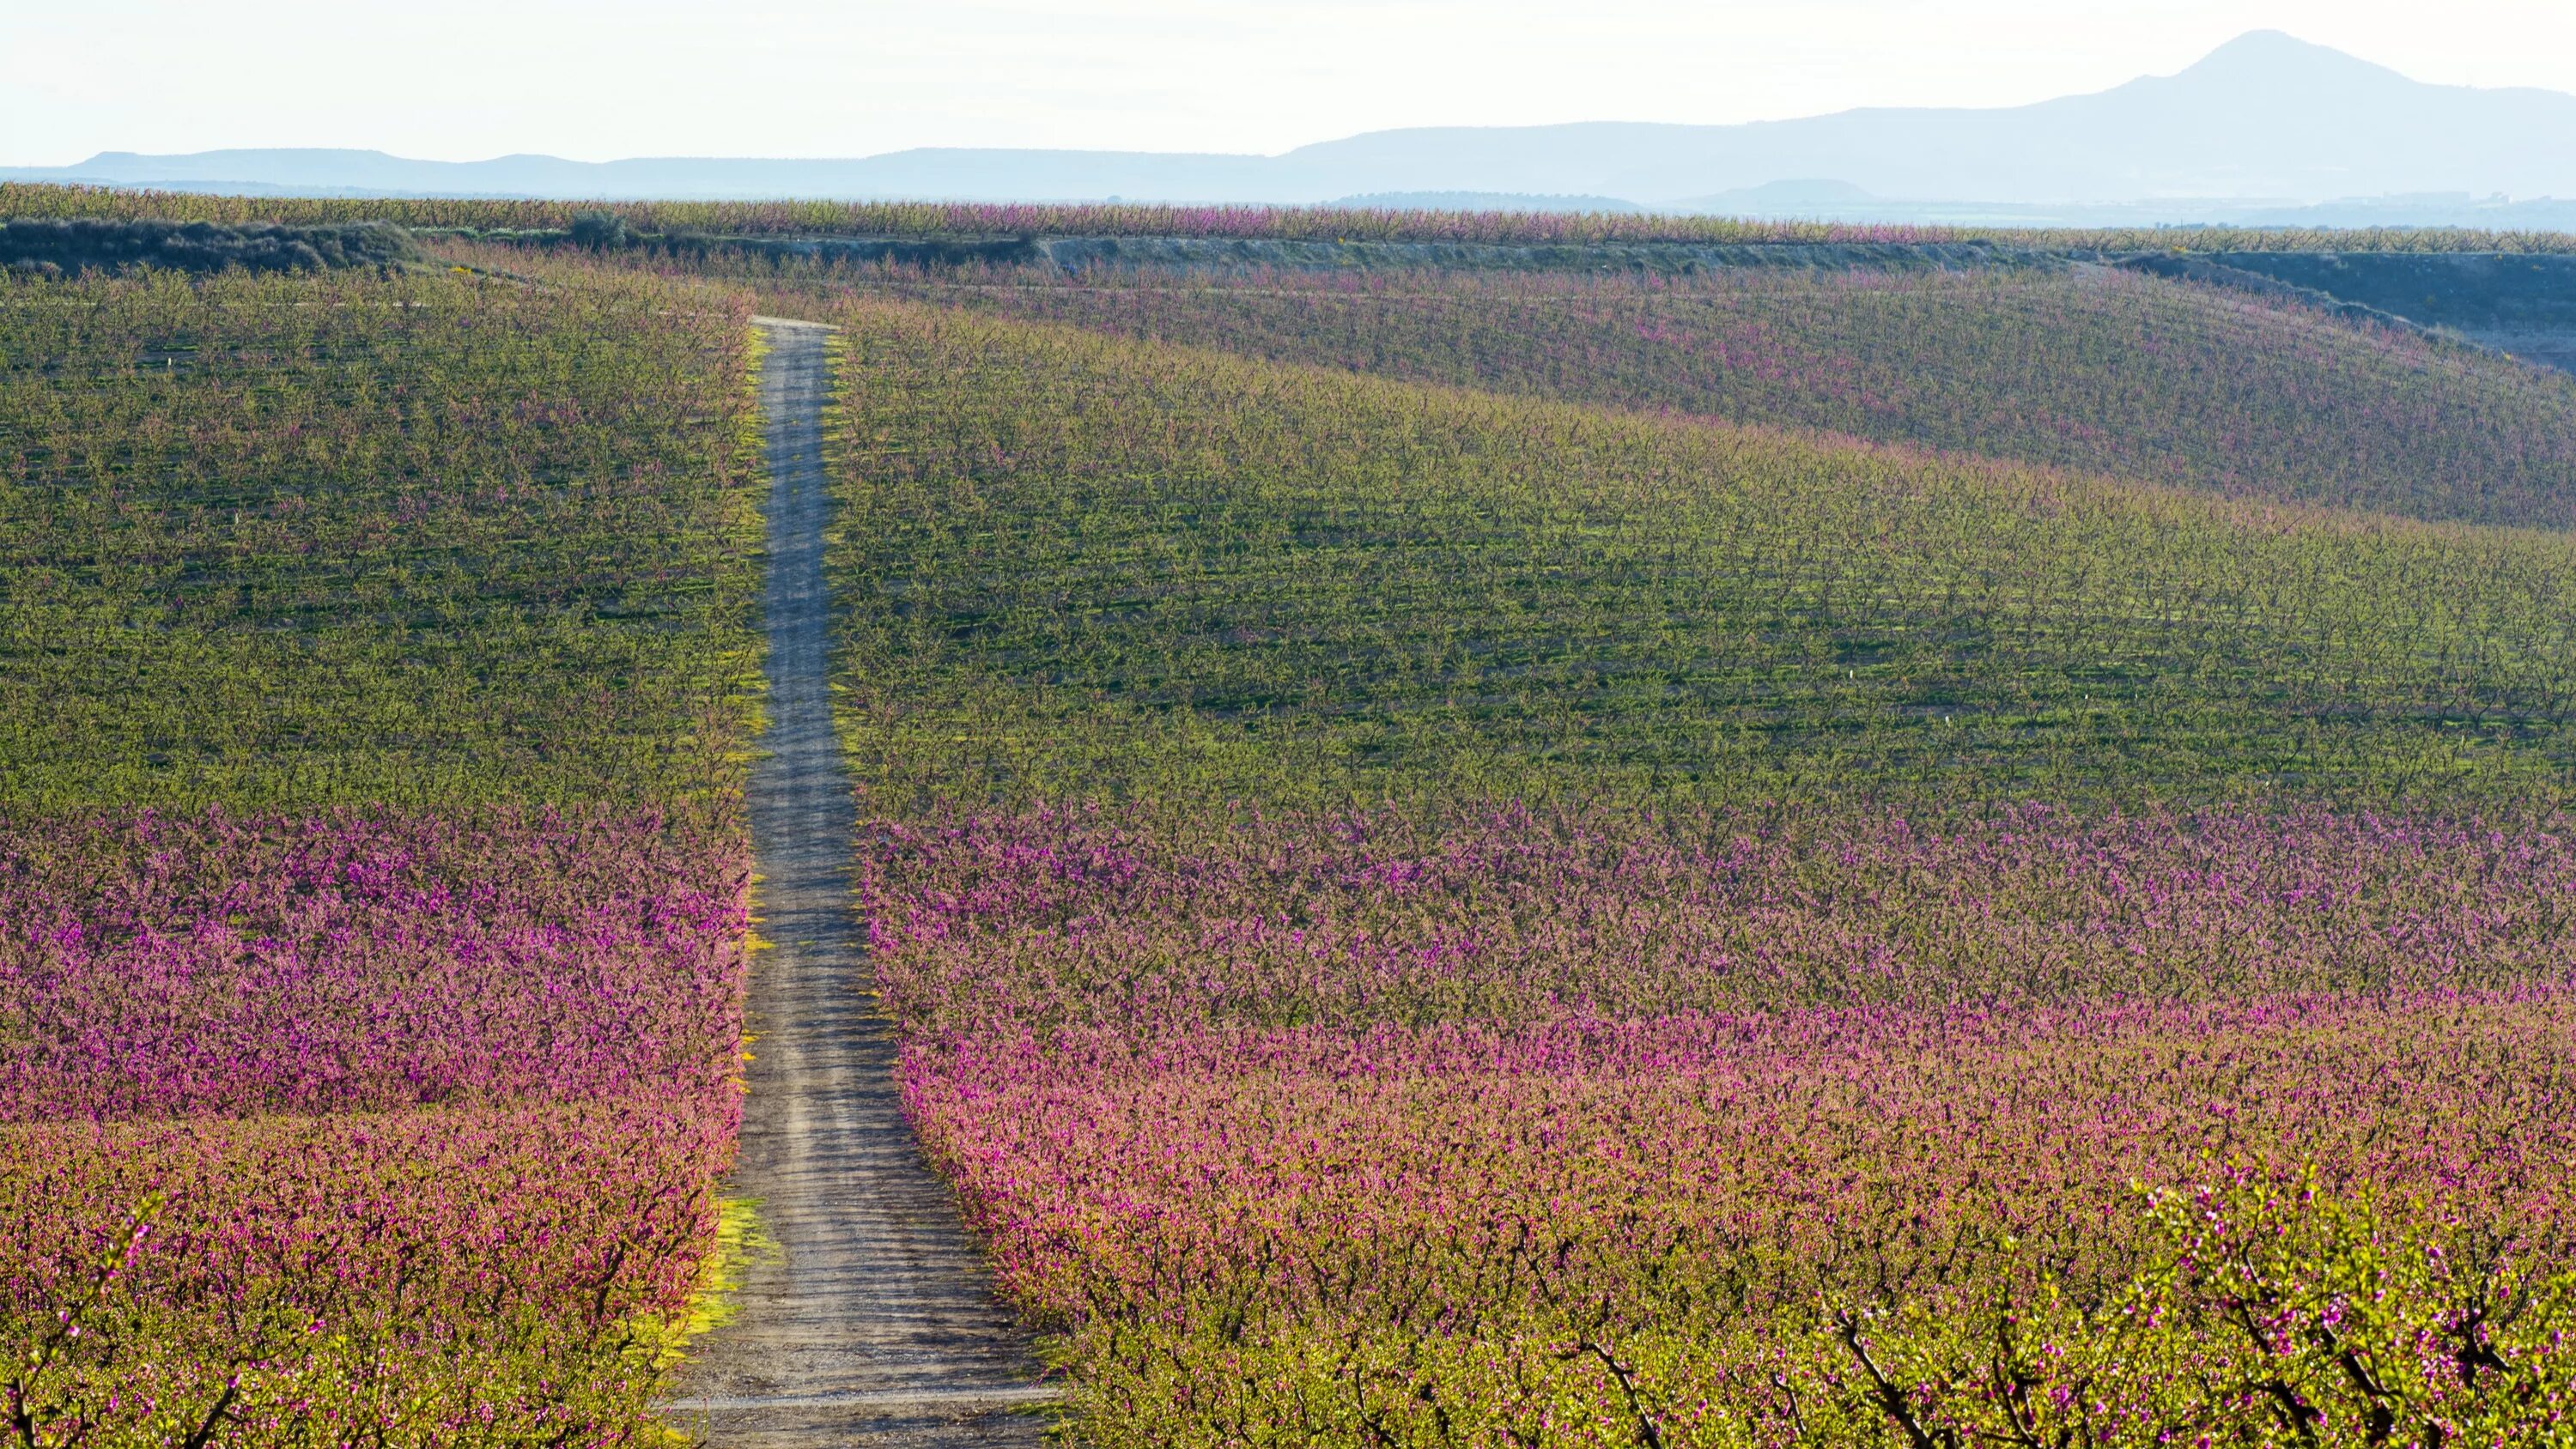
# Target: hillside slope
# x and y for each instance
(1127, 570)
(2138, 376)
(314, 541)
(1380, 883)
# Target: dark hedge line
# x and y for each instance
(607, 232)
(59, 245)
(2211, 273)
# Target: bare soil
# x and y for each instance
(871, 1320)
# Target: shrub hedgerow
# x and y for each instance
(60, 245)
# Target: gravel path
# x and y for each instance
(872, 1323)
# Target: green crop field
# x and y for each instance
(1085, 565)
(306, 542)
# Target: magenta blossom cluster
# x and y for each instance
(1005, 923)
(1610, 1128)
(1871, 1148)
(408, 1126)
(159, 966)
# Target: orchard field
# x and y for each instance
(2088, 367)
(1835, 857)
(377, 655)
(1451, 914)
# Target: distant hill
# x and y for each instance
(2264, 116)
(1787, 198)
(2241, 387)
(1843, 202)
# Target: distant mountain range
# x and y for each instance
(1841, 201)
(2266, 120)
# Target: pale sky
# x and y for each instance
(469, 79)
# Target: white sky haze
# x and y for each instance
(470, 79)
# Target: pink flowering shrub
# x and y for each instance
(1602, 1128)
(159, 966)
(359, 1126)
(1521, 916)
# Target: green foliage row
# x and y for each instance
(1082, 566)
(2270, 1315)
(422, 541)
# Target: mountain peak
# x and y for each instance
(2268, 43)
(2273, 56)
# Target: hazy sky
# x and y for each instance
(466, 79)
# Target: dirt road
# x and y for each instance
(872, 1322)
